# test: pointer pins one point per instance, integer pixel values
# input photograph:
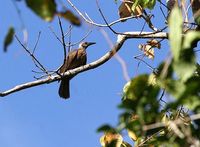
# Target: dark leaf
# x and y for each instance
(9, 38)
(46, 9)
(106, 128)
(196, 10)
(198, 69)
(126, 10)
(70, 16)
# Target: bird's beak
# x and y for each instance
(91, 43)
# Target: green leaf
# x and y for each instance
(182, 49)
(186, 65)
(9, 38)
(190, 39)
(175, 32)
(148, 4)
(190, 97)
(185, 68)
(135, 4)
(134, 89)
(46, 9)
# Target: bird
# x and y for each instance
(74, 59)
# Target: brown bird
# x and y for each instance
(74, 59)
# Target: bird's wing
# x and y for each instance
(71, 57)
(74, 59)
(71, 60)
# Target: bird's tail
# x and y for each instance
(64, 89)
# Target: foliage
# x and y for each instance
(149, 123)
(45, 9)
(9, 38)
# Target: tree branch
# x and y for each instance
(120, 41)
(90, 21)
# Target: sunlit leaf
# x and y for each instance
(152, 79)
(175, 32)
(134, 89)
(132, 135)
(148, 50)
(191, 38)
(9, 38)
(148, 4)
(110, 139)
(46, 9)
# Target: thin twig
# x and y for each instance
(58, 38)
(33, 57)
(97, 2)
(162, 124)
(38, 38)
(148, 65)
(69, 43)
(149, 138)
(162, 95)
(69, 32)
(97, 24)
(63, 39)
(84, 37)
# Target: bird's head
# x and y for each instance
(85, 44)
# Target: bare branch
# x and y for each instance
(120, 41)
(63, 39)
(51, 79)
(104, 18)
(162, 124)
(83, 38)
(97, 24)
(36, 42)
(158, 35)
(58, 38)
(35, 60)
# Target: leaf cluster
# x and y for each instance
(145, 118)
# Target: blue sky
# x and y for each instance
(37, 117)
